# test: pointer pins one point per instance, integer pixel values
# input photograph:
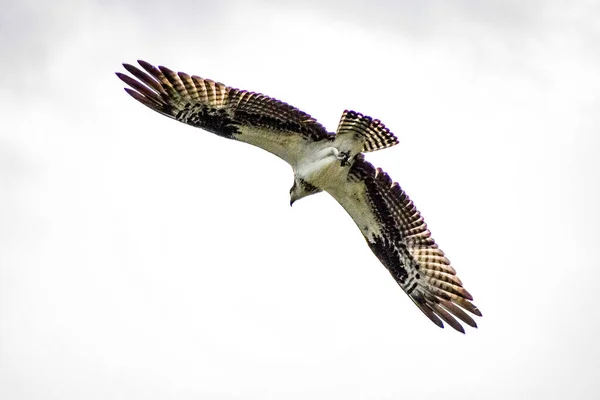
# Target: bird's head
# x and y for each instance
(295, 193)
(301, 189)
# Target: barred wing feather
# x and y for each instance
(232, 113)
(397, 234)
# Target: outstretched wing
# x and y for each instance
(398, 235)
(232, 113)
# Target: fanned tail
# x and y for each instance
(372, 132)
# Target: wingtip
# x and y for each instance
(147, 66)
(166, 70)
(128, 67)
(458, 328)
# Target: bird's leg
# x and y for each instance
(343, 156)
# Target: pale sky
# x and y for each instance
(141, 258)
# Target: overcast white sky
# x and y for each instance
(140, 258)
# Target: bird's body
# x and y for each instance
(322, 168)
(322, 161)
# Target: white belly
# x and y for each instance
(325, 172)
(323, 169)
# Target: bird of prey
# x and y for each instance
(322, 161)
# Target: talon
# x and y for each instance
(343, 156)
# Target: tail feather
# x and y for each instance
(374, 134)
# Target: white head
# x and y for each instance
(300, 189)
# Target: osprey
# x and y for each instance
(322, 161)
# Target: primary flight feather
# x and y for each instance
(322, 161)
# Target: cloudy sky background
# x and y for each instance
(140, 258)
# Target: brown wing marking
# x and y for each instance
(409, 252)
(214, 106)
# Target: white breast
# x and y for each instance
(321, 168)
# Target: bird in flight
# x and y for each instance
(322, 161)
